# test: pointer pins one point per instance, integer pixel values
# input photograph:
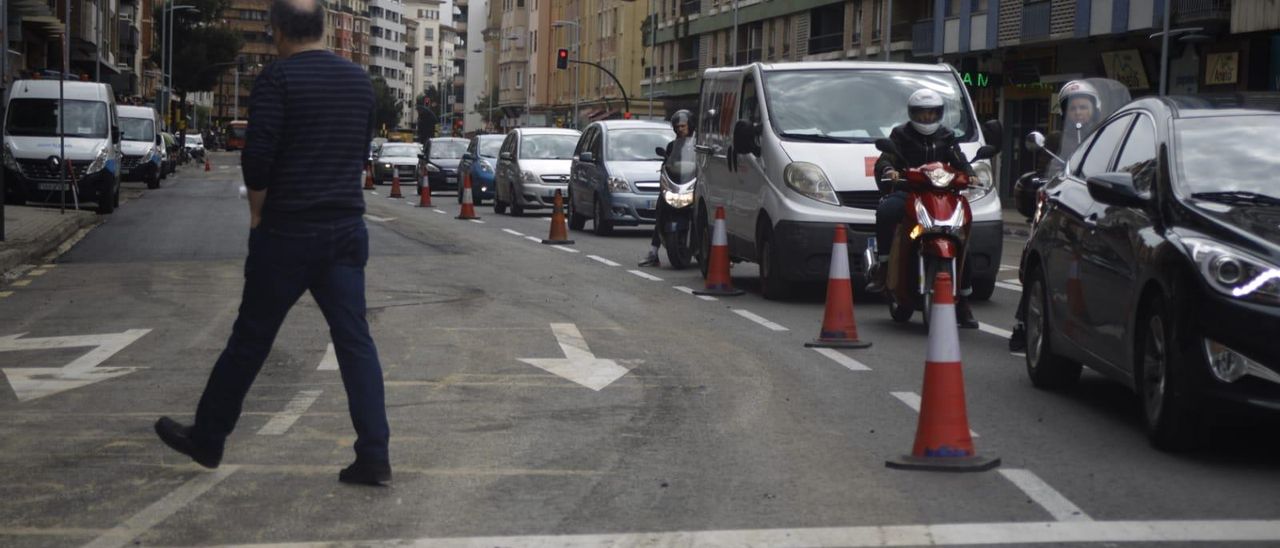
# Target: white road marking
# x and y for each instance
(602, 260)
(1010, 286)
(758, 319)
(373, 192)
(1051, 500)
(330, 360)
(565, 249)
(476, 221)
(1018, 354)
(21, 283)
(533, 239)
(4, 294)
(645, 275)
(37, 272)
(440, 211)
(840, 358)
(912, 400)
(513, 232)
(579, 364)
(280, 423)
(377, 219)
(689, 291)
(137, 524)
(30, 383)
(956, 534)
(988, 328)
(1007, 267)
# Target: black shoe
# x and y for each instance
(650, 260)
(1018, 340)
(178, 438)
(366, 473)
(964, 315)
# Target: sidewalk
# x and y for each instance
(33, 232)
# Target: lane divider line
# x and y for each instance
(912, 400)
(1007, 267)
(840, 358)
(37, 272)
(513, 232)
(1047, 497)
(476, 221)
(139, 523)
(280, 423)
(602, 260)
(4, 294)
(645, 275)
(988, 328)
(21, 283)
(563, 248)
(330, 360)
(1010, 286)
(689, 291)
(758, 319)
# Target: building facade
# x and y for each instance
(386, 52)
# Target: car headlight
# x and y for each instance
(678, 199)
(530, 178)
(1235, 273)
(386, 166)
(619, 184)
(9, 161)
(981, 184)
(809, 180)
(432, 168)
(99, 162)
(485, 167)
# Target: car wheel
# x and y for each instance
(516, 209)
(1171, 417)
(601, 221)
(1047, 371)
(577, 221)
(772, 286)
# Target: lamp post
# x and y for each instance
(166, 57)
(576, 55)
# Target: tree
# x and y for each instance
(485, 106)
(203, 46)
(386, 109)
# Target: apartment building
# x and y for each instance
(347, 27)
(386, 52)
(249, 19)
(512, 46)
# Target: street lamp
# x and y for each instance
(1164, 47)
(166, 56)
(576, 55)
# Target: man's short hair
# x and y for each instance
(298, 20)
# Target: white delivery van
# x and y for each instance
(140, 145)
(33, 150)
(804, 163)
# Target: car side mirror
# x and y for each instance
(1035, 141)
(115, 134)
(1115, 189)
(1025, 191)
(986, 152)
(744, 138)
(886, 146)
(505, 155)
(993, 133)
(159, 140)
(587, 157)
(661, 152)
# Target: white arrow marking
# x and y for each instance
(37, 382)
(330, 360)
(579, 364)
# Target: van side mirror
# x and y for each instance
(993, 133)
(985, 152)
(587, 157)
(505, 155)
(661, 152)
(744, 138)
(886, 146)
(1115, 189)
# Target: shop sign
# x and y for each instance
(980, 79)
(1221, 68)
(1125, 66)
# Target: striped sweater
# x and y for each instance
(310, 122)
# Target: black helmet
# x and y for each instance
(682, 116)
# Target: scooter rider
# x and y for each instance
(680, 123)
(920, 141)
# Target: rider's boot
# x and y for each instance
(964, 315)
(879, 275)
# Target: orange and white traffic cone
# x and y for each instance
(424, 190)
(839, 330)
(943, 442)
(719, 283)
(368, 177)
(468, 211)
(395, 184)
(559, 229)
(208, 166)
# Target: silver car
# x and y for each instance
(614, 178)
(532, 164)
(405, 158)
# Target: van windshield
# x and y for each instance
(39, 118)
(857, 105)
(137, 129)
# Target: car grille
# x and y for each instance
(861, 199)
(130, 162)
(648, 186)
(647, 213)
(40, 170)
(407, 171)
(556, 179)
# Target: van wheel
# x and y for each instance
(772, 286)
(106, 201)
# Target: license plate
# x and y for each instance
(53, 187)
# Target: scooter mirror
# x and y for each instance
(1035, 141)
(661, 152)
(985, 152)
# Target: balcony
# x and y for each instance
(825, 43)
(1187, 11)
(687, 65)
(1035, 21)
(748, 56)
(922, 38)
(690, 7)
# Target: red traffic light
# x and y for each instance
(562, 59)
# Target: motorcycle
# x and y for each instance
(932, 236)
(675, 205)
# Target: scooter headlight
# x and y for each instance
(619, 184)
(679, 199)
(940, 177)
(981, 184)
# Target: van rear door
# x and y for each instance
(718, 107)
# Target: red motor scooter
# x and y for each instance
(931, 237)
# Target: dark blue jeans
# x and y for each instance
(286, 259)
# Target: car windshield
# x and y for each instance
(810, 104)
(631, 145)
(195, 140)
(548, 147)
(137, 129)
(390, 150)
(1233, 154)
(447, 150)
(489, 147)
(39, 118)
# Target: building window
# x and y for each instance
(519, 79)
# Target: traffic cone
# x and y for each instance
(424, 190)
(208, 166)
(839, 330)
(468, 211)
(718, 281)
(368, 177)
(943, 442)
(395, 184)
(559, 230)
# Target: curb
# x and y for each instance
(34, 251)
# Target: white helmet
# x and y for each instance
(922, 102)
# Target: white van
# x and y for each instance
(32, 146)
(821, 119)
(140, 145)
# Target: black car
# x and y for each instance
(442, 167)
(1155, 260)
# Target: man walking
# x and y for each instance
(310, 121)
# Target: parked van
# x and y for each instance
(32, 143)
(787, 149)
(140, 145)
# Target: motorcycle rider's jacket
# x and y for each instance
(917, 149)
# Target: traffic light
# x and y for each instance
(562, 59)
